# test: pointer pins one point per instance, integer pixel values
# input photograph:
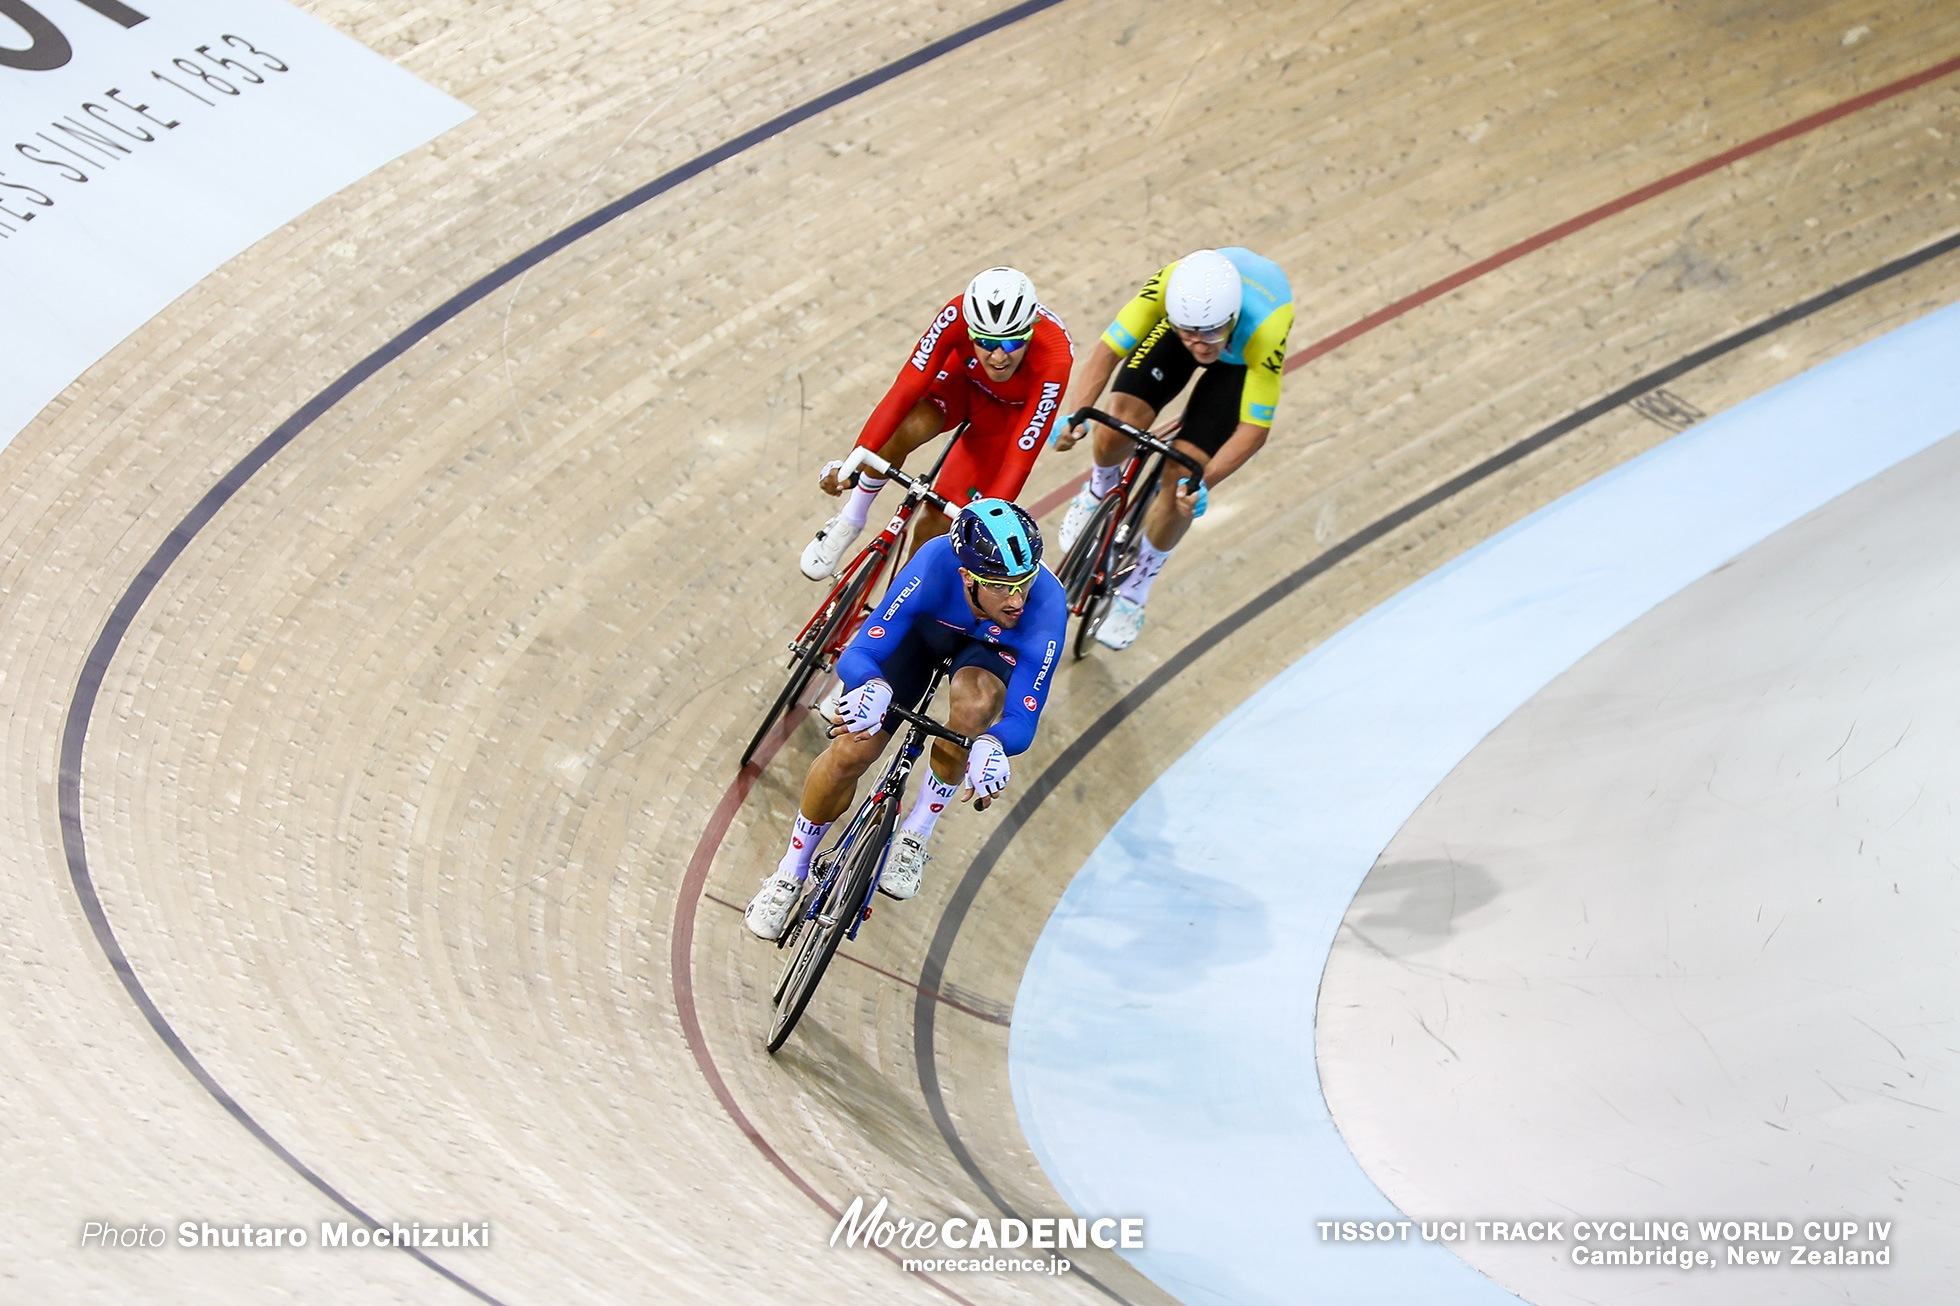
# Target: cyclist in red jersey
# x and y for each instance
(993, 358)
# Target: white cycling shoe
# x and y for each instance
(768, 912)
(1121, 627)
(904, 866)
(1080, 509)
(821, 555)
(832, 704)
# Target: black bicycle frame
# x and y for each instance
(893, 782)
(1144, 440)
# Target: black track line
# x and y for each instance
(74, 734)
(932, 973)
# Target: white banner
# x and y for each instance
(143, 144)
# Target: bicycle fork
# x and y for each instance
(893, 784)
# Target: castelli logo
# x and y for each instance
(876, 632)
(1007, 656)
(993, 630)
(939, 807)
(796, 841)
(1031, 704)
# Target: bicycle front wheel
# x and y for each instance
(819, 938)
(1078, 569)
(815, 655)
(1115, 565)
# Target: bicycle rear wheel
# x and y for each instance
(820, 937)
(1078, 567)
(816, 654)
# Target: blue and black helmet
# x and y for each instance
(996, 539)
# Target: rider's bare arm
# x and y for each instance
(1090, 382)
(1248, 439)
(934, 348)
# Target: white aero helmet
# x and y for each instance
(1203, 294)
(999, 302)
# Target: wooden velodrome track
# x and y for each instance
(397, 771)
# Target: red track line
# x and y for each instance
(1465, 275)
(696, 879)
(680, 961)
(1674, 180)
(1058, 496)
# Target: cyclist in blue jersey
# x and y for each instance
(1227, 311)
(981, 596)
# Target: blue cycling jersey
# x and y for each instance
(1263, 292)
(929, 589)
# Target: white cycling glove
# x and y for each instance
(987, 771)
(864, 708)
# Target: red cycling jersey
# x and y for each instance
(1006, 421)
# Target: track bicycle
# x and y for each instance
(1105, 553)
(814, 651)
(836, 898)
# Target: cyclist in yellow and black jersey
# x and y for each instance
(1227, 311)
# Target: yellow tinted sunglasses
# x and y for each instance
(1007, 588)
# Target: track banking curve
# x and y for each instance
(931, 976)
(1079, 750)
(135, 596)
(130, 603)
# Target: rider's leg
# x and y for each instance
(928, 525)
(827, 791)
(1110, 450)
(1155, 373)
(960, 474)
(925, 421)
(832, 781)
(976, 694)
(1210, 418)
(1163, 524)
(1163, 527)
(985, 462)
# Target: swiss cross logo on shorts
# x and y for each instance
(876, 632)
(1030, 703)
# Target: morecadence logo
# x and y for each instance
(981, 1239)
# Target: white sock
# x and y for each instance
(1103, 479)
(1150, 561)
(934, 794)
(803, 843)
(858, 507)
